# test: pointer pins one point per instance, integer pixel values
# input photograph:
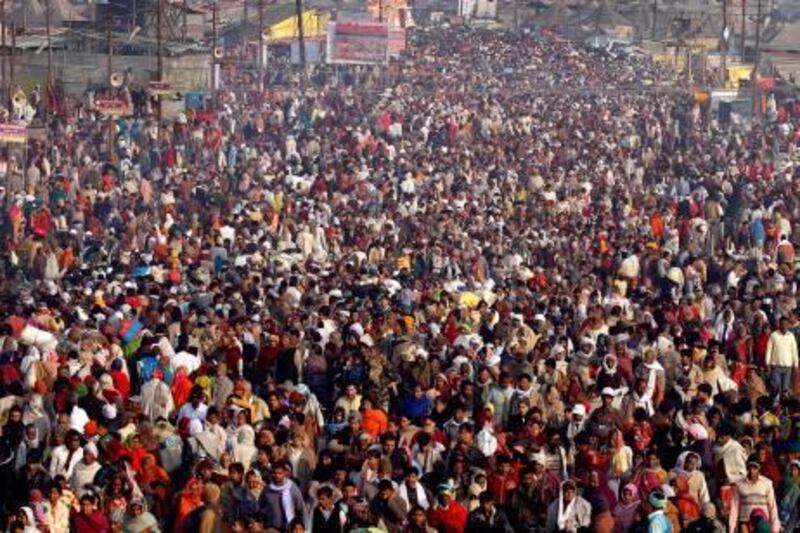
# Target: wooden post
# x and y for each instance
(298, 5)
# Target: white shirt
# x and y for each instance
(58, 461)
(192, 413)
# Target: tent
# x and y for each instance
(314, 27)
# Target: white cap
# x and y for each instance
(579, 409)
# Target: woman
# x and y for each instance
(620, 462)
(687, 467)
(188, 501)
(151, 473)
(57, 510)
(139, 520)
(625, 512)
(789, 505)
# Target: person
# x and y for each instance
(327, 516)
(388, 507)
(754, 493)
(487, 517)
(782, 358)
(657, 521)
(708, 521)
(570, 512)
(418, 522)
(446, 514)
(66, 456)
(139, 520)
(790, 501)
(246, 499)
(412, 491)
(281, 500)
(627, 507)
(85, 471)
(210, 519)
(89, 518)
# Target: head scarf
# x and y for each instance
(626, 512)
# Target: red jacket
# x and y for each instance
(450, 520)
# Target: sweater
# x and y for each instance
(782, 350)
(450, 520)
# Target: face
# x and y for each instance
(418, 517)
(73, 443)
(627, 495)
(280, 475)
(690, 464)
(569, 493)
(325, 501)
(86, 507)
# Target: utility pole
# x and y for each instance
(112, 93)
(11, 61)
(49, 48)
(3, 52)
(109, 44)
(744, 29)
(655, 20)
(380, 10)
(160, 58)
(298, 5)
(245, 24)
(213, 49)
(184, 32)
(262, 44)
(725, 35)
(756, 62)
(159, 40)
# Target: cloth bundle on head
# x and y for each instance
(211, 493)
(91, 448)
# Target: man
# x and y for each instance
(537, 489)
(447, 515)
(486, 517)
(351, 401)
(730, 457)
(281, 501)
(657, 521)
(388, 507)
(411, 490)
(754, 492)
(569, 512)
(451, 427)
(156, 398)
(327, 517)
(605, 418)
(781, 358)
(66, 456)
(196, 409)
(246, 498)
(85, 471)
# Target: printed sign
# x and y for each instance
(356, 42)
(13, 133)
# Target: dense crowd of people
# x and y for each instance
(528, 287)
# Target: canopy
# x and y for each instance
(314, 26)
